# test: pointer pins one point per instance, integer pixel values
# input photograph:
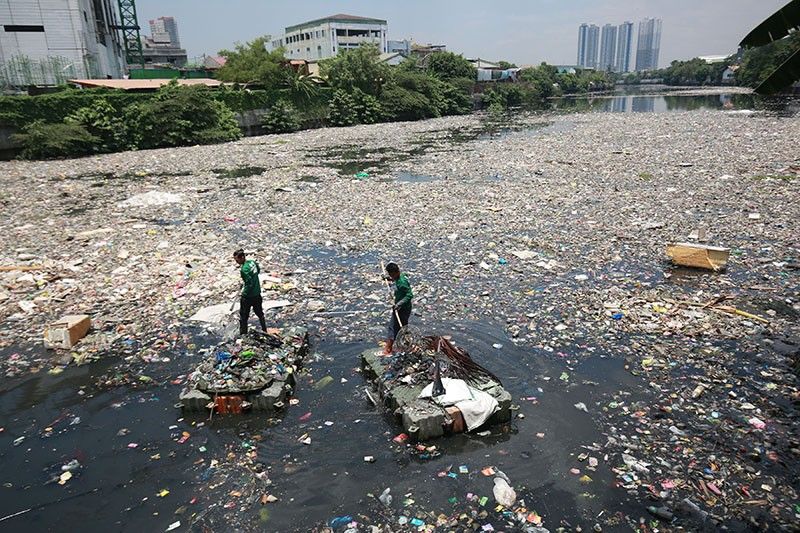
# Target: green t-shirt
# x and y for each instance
(252, 286)
(402, 292)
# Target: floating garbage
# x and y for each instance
(255, 372)
(470, 396)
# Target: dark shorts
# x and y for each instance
(394, 327)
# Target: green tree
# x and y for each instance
(543, 79)
(40, 140)
(506, 65)
(281, 118)
(103, 122)
(400, 103)
(251, 63)
(758, 63)
(342, 109)
(301, 89)
(357, 69)
(180, 116)
(447, 66)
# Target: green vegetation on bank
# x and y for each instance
(355, 87)
(173, 116)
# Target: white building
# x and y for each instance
(46, 42)
(326, 37)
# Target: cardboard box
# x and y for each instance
(67, 332)
(698, 255)
(459, 426)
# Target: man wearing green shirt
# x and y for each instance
(401, 310)
(251, 291)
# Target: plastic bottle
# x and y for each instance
(660, 512)
(691, 508)
(503, 493)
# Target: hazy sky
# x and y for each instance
(521, 31)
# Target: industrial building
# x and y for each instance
(46, 42)
(326, 37)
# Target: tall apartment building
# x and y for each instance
(608, 48)
(624, 47)
(326, 37)
(588, 45)
(163, 46)
(46, 42)
(649, 44)
(165, 26)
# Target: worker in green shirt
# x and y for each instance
(401, 310)
(251, 291)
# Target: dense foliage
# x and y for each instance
(448, 66)
(180, 116)
(357, 69)
(281, 118)
(252, 64)
(758, 63)
(692, 72)
(40, 140)
(174, 116)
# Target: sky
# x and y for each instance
(521, 31)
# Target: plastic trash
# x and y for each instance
(503, 493)
(692, 509)
(386, 497)
(660, 512)
(322, 383)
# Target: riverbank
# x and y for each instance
(548, 234)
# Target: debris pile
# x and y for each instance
(256, 370)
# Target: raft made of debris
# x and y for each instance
(256, 371)
(405, 383)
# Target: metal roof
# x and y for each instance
(141, 85)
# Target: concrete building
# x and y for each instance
(163, 46)
(608, 48)
(46, 42)
(624, 47)
(326, 37)
(165, 29)
(649, 44)
(588, 45)
(400, 47)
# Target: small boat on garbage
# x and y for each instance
(435, 388)
(254, 372)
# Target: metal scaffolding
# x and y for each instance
(130, 33)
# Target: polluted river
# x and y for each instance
(646, 396)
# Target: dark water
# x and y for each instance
(658, 103)
(119, 484)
